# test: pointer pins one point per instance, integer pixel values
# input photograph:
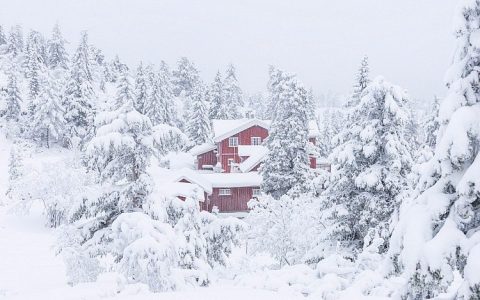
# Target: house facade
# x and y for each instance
(227, 168)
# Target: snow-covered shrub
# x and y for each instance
(167, 138)
(145, 249)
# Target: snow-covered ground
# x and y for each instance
(29, 268)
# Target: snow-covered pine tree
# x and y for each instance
(141, 89)
(218, 105)
(79, 97)
(185, 78)
(436, 242)
(12, 98)
(370, 165)
(161, 107)
(232, 94)
(198, 126)
(124, 90)
(361, 82)
(286, 168)
(15, 169)
(311, 105)
(48, 122)
(431, 124)
(273, 87)
(3, 38)
(57, 56)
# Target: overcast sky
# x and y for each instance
(409, 42)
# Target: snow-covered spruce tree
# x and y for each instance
(57, 56)
(218, 105)
(198, 124)
(12, 99)
(15, 41)
(48, 122)
(15, 169)
(168, 138)
(431, 124)
(436, 242)
(34, 63)
(286, 167)
(141, 89)
(3, 38)
(370, 165)
(232, 94)
(79, 98)
(361, 82)
(276, 78)
(117, 68)
(185, 78)
(161, 107)
(124, 90)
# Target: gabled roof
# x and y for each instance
(223, 129)
(201, 149)
(183, 189)
(193, 177)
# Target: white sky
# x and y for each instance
(409, 42)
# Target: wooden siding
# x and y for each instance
(244, 138)
(235, 202)
(208, 158)
(313, 162)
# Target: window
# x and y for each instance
(224, 192)
(233, 141)
(256, 140)
(256, 192)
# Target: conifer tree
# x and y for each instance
(34, 63)
(124, 90)
(3, 38)
(370, 165)
(232, 94)
(12, 98)
(48, 122)
(361, 82)
(56, 53)
(443, 215)
(79, 97)
(431, 124)
(185, 78)
(160, 107)
(286, 167)
(141, 89)
(218, 105)
(15, 41)
(198, 125)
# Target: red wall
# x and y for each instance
(208, 158)
(313, 162)
(244, 138)
(235, 202)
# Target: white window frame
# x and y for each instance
(256, 138)
(224, 192)
(233, 141)
(256, 192)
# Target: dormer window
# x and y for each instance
(233, 141)
(256, 140)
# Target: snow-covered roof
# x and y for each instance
(255, 156)
(231, 180)
(223, 129)
(184, 189)
(193, 177)
(201, 149)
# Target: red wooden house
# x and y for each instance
(227, 168)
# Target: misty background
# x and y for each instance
(410, 42)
